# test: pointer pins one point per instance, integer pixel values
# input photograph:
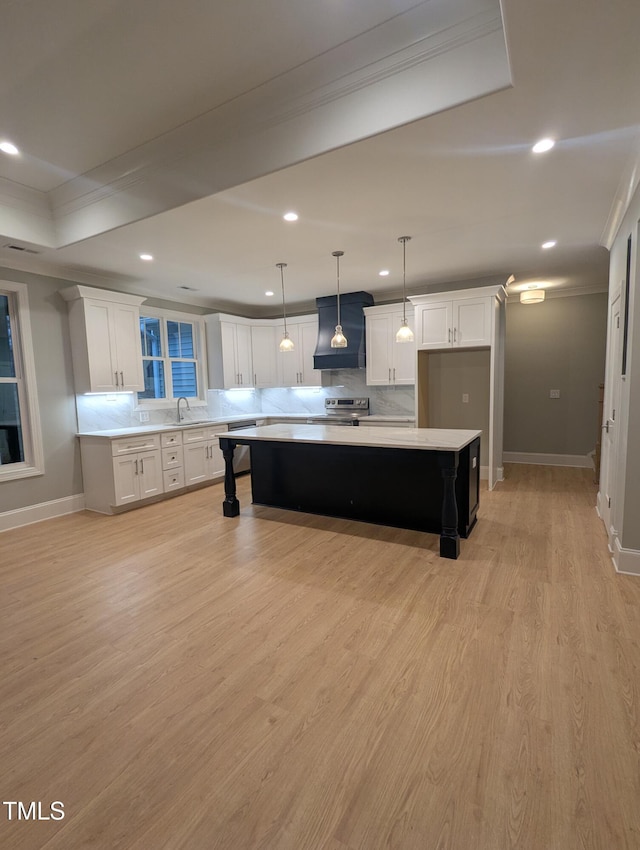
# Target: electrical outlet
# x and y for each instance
(554, 393)
(144, 415)
(465, 398)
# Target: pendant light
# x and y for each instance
(404, 334)
(338, 340)
(286, 343)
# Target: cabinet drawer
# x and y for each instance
(172, 458)
(194, 435)
(173, 479)
(134, 444)
(170, 438)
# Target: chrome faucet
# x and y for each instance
(179, 416)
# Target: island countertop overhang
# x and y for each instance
(427, 439)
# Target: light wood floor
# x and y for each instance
(181, 681)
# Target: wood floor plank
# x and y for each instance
(282, 681)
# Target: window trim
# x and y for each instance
(24, 358)
(200, 350)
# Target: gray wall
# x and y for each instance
(62, 476)
(450, 375)
(559, 344)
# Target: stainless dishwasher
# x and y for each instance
(242, 454)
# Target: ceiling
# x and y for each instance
(189, 135)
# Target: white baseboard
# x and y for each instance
(44, 510)
(484, 473)
(583, 461)
(625, 561)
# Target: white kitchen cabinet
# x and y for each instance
(203, 460)
(295, 368)
(389, 362)
(244, 353)
(264, 349)
(458, 322)
(237, 363)
(172, 461)
(137, 477)
(122, 471)
(104, 329)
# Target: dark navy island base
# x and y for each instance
(435, 491)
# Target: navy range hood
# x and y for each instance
(352, 320)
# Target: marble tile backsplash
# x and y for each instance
(102, 412)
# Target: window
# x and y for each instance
(172, 362)
(20, 439)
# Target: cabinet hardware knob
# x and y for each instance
(116, 374)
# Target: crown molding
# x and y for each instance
(627, 186)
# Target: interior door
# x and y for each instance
(611, 412)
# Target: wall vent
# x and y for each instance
(20, 248)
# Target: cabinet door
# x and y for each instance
(126, 333)
(404, 353)
(434, 325)
(215, 460)
(101, 347)
(472, 322)
(125, 479)
(378, 331)
(289, 374)
(308, 339)
(150, 474)
(195, 463)
(263, 355)
(230, 373)
(243, 355)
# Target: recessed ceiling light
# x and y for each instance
(9, 147)
(268, 293)
(290, 216)
(543, 146)
(383, 272)
(550, 244)
(146, 257)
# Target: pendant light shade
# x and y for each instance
(404, 334)
(286, 343)
(338, 340)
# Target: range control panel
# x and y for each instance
(337, 404)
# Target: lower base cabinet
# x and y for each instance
(137, 477)
(118, 473)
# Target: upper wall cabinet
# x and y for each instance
(389, 362)
(295, 368)
(105, 340)
(463, 320)
(241, 352)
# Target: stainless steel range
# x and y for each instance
(342, 411)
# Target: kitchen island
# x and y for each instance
(419, 478)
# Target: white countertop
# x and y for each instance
(430, 439)
(171, 426)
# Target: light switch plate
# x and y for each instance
(554, 393)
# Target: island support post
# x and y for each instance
(231, 505)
